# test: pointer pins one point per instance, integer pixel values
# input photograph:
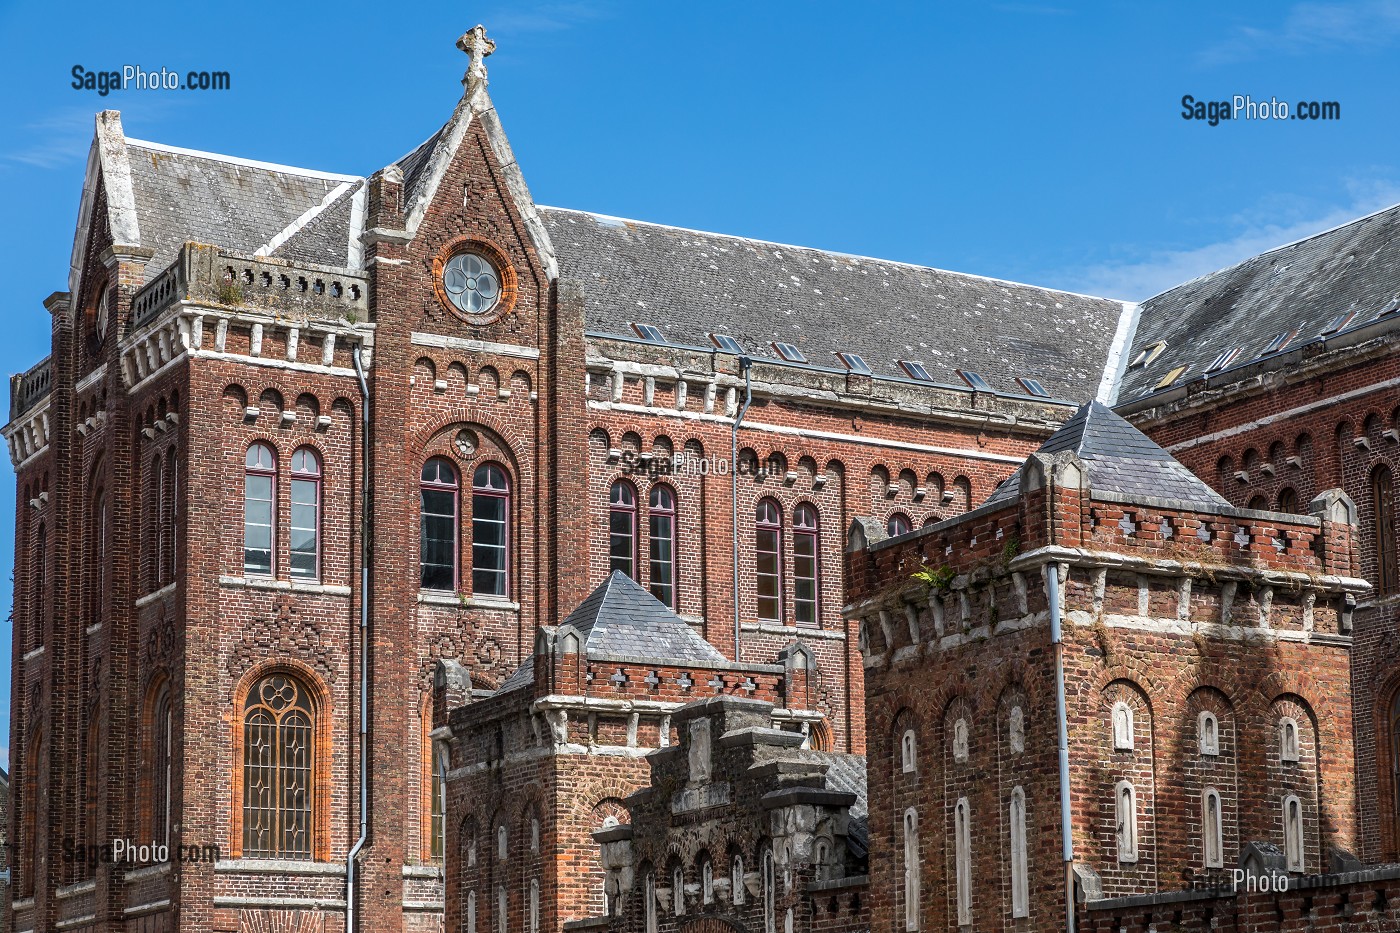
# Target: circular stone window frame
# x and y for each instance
(505, 271)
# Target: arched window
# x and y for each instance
(1016, 730)
(535, 835)
(1208, 733)
(490, 530)
(172, 512)
(1288, 500)
(99, 577)
(29, 815)
(770, 893)
(1383, 507)
(259, 507)
(804, 565)
(736, 879)
(677, 891)
(707, 880)
(40, 597)
(534, 905)
(279, 769)
(1395, 757)
(502, 849)
(502, 906)
(161, 516)
(437, 555)
(909, 752)
(1125, 807)
(306, 514)
(1288, 739)
(960, 745)
(962, 851)
(898, 524)
(649, 902)
(1122, 727)
(912, 893)
(471, 912)
(661, 516)
(162, 753)
(1212, 832)
(91, 777)
(769, 554)
(1293, 833)
(438, 813)
(1020, 883)
(622, 528)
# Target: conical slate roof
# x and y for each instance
(620, 620)
(1122, 460)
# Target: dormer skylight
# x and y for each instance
(1278, 343)
(916, 370)
(789, 352)
(1169, 378)
(727, 343)
(855, 364)
(975, 380)
(1224, 359)
(1033, 387)
(1148, 354)
(649, 333)
(1337, 323)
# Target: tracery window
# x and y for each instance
(279, 761)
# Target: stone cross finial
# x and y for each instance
(475, 44)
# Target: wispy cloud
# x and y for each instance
(1312, 27)
(53, 141)
(1263, 227)
(545, 17)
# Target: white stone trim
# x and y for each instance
(792, 631)
(161, 593)
(1117, 362)
(280, 903)
(149, 907)
(279, 866)
(90, 380)
(441, 341)
(310, 214)
(291, 586)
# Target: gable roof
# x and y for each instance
(621, 620)
(690, 284)
(237, 204)
(1120, 460)
(1302, 287)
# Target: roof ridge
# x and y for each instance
(1273, 249)
(829, 252)
(238, 160)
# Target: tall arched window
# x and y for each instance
(707, 880)
(769, 554)
(909, 752)
(1383, 507)
(1020, 874)
(1288, 500)
(622, 528)
(1212, 831)
(770, 921)
(162, 519)
(490, 530)
(677, 891)
(1293, 833)
(898, 524)
(649, 902)
(306, 514)
(661, 516)
(1208, 733)
(91, 778)
(534, 919)
(1395, 758)
(804, 565)
(29, 815)
(40, 596)
(172, 509)
(98, 575)
(437, 554)
(259, 501)
(736, 879)
(1122, 727)
(911, 869)
(1288, 739)
(278, 769)
(962, 853)
(438, 813)
(502, 908)
(1126, 817)
(471, 912)
(162, 754)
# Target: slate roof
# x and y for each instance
(690, 284)
(1301, 286)
(1120, 459)
(233, 203)
(620, 619)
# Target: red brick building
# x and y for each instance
(303, 435)
(1105, 682)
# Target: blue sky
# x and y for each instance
(1041, 142)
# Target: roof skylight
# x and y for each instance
(1224, 359)
(789, 352)
(855, 364)
(975, 380)
(727, 343)
(1033, 386)
(649, 333)
(916, 370)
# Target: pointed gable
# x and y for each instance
(1120, 460)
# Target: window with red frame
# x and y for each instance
(804, 565)
(622, 529)
(490, 530)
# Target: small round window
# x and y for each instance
(472, 283)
